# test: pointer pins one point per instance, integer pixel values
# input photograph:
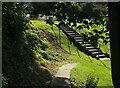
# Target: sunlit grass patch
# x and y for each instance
(88, 68)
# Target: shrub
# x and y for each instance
(91, 82)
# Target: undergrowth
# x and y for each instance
(27, 52)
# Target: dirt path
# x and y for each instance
(62, 77)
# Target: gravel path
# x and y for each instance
(62, 77)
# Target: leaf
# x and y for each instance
(95, 31)
(90, 33)
(105, 41)
(102, 37)
(80, 27)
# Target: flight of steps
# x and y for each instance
(78, 40)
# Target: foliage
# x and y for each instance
(43, 8)
(100, 31)
(23, 62)
(79, 11)
(62, 10)
(87, 10)
(91, 82)
(25, 52)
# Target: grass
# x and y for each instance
(96, 69)
(61, 54)
(87, 66)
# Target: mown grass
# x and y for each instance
(88, 66)
(94, 68)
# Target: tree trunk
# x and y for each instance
(114, 17)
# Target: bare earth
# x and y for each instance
(62, 77)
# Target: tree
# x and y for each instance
(114, 17)
(22, 49)
(42, 7)
(63, 9)
(13, 62)
(79, 11)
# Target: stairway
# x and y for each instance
(82, 45)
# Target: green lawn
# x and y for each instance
(88, 67)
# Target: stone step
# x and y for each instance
(70, 31)
(79, 40)
(90, 47)
(63, 27)
(93, 50)
(102, 56)
(86, 44)
(105, 58)
(96, 53)
(78, 37)
(82, 42)
(75, 35)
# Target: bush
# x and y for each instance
(21, 49)
(91, 82)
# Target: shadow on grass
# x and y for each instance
(60, 82)
(26, 77)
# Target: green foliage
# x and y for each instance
(4, 80)
(97, 12)
(84, 10)
(13, 15)
(91, 82)
(43, 7)
(13, 26)
(25, 52)
(79, 12)
(63, 9)
(103, 31)
(87, 10)
(96, 32)
(22, 47)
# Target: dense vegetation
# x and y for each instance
(21, 50)
(33, 51)
(28, 53)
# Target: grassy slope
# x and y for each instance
(87, 65)
(58, 52)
